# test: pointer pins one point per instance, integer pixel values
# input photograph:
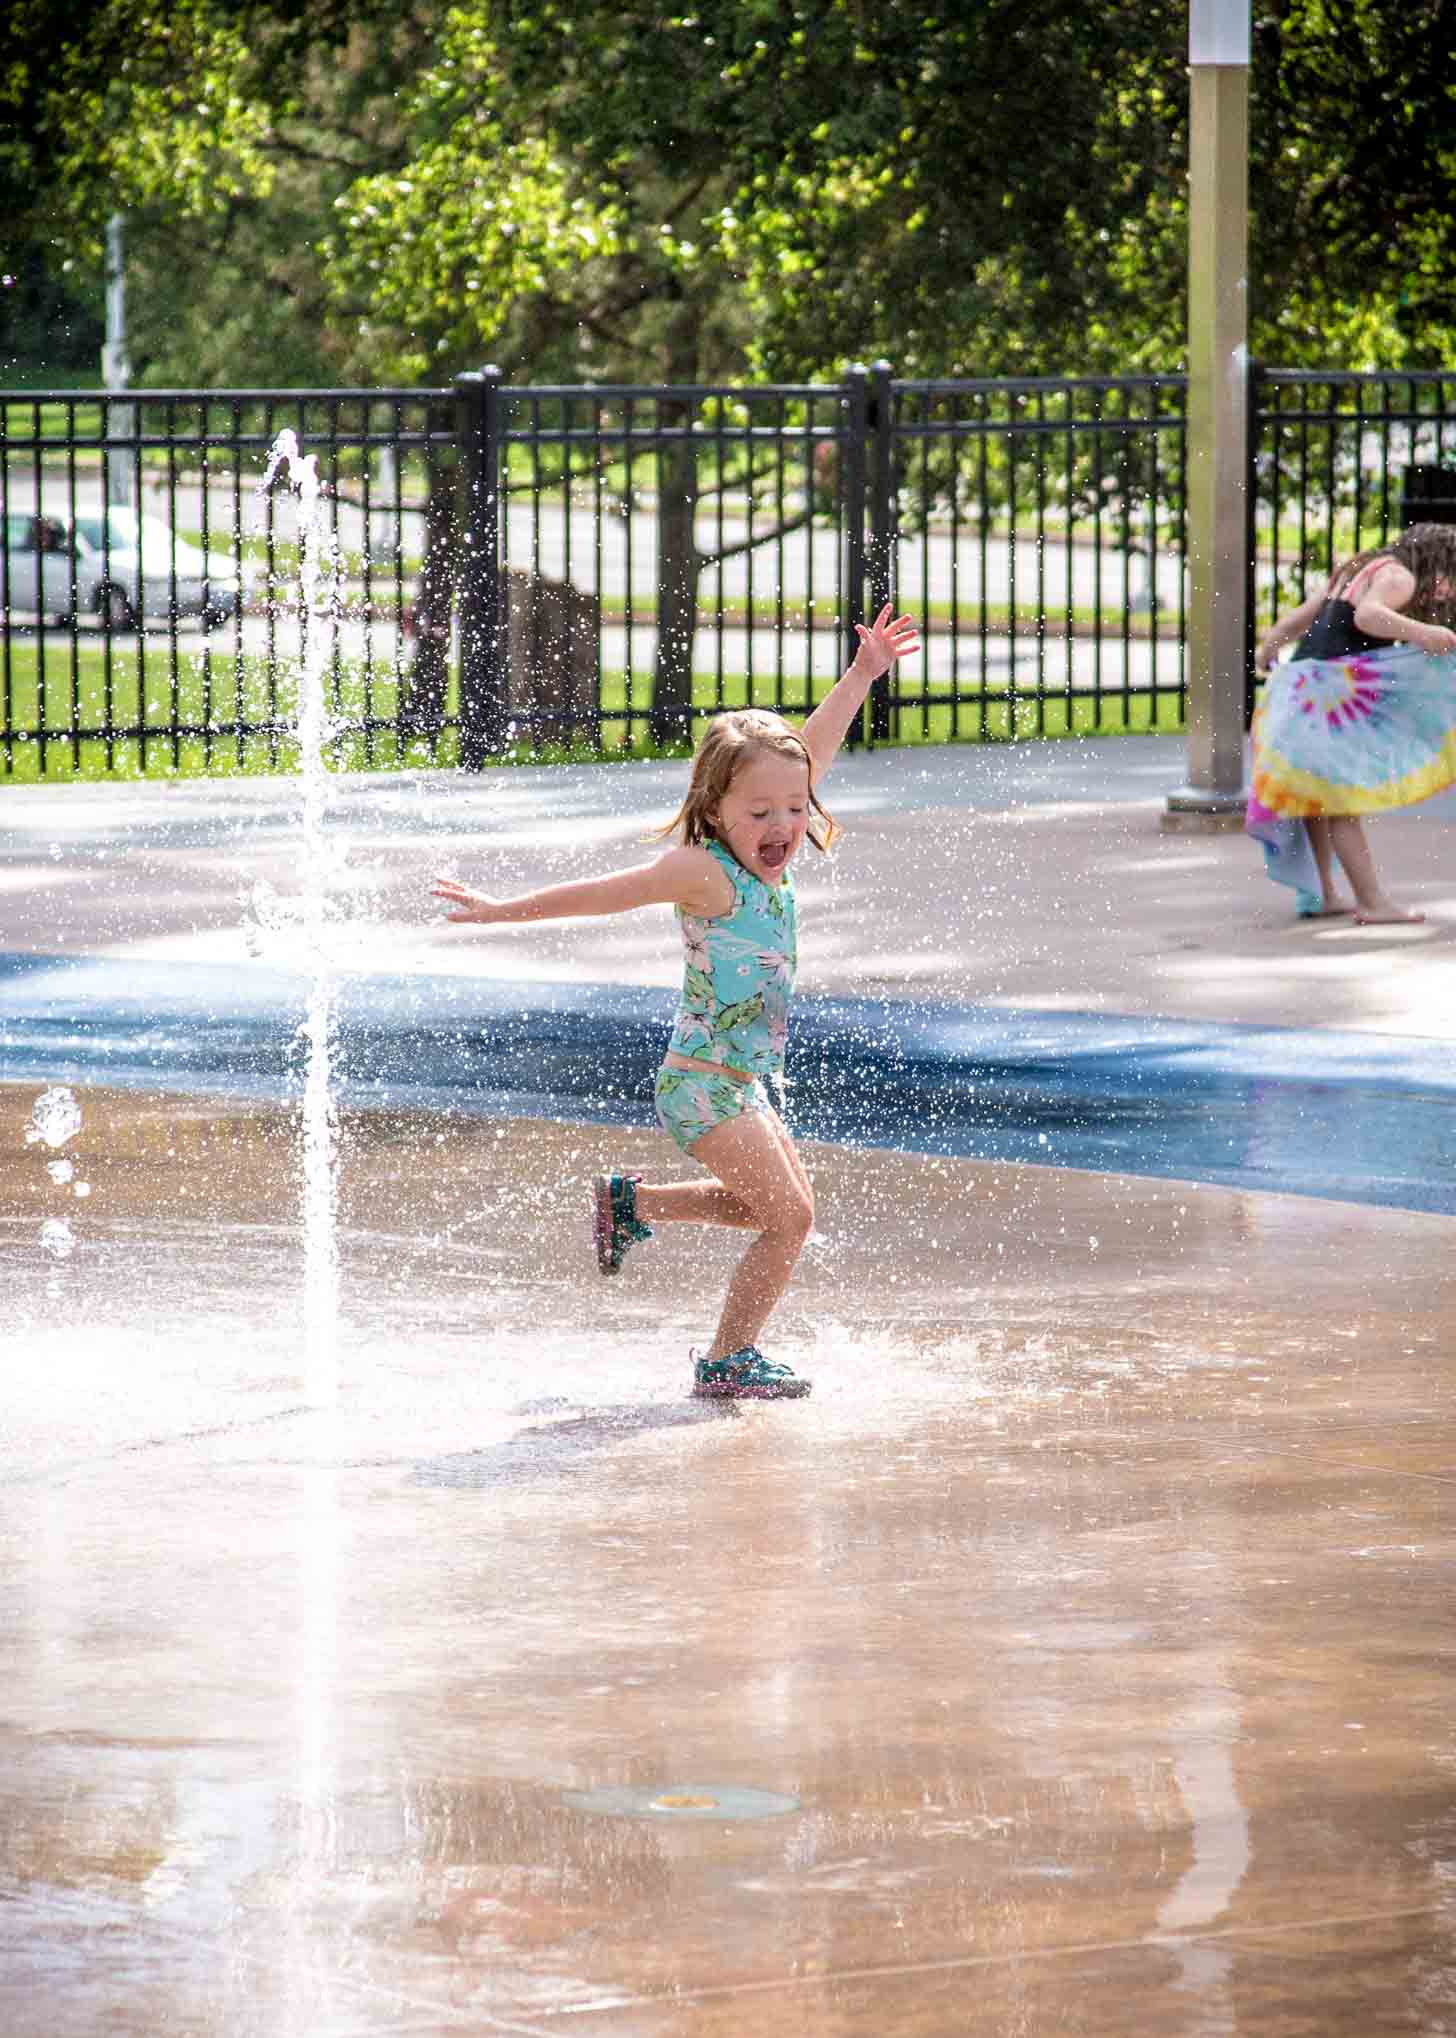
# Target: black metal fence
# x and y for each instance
(592, 571)
(1340, 462)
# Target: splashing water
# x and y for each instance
(318, 616)
(55, 1117)
(56, 1238)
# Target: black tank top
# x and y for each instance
(1333, 634)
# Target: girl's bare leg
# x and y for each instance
(754, 1159)
(1318, 831)
(1372, 906)
(691, 1203)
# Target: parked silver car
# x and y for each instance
(146, 571)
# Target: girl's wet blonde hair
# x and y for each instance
(729, 743)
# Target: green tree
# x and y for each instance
(604, 188)
(528, 226)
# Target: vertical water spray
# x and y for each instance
(317, 614)
(55, 1118)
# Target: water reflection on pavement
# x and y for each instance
(1095, 1611)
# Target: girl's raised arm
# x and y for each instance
(891, 637)
(686, 877)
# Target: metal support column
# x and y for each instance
(1218, 398)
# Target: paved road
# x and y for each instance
(618, 553)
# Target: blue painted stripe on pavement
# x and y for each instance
(1359, 1117)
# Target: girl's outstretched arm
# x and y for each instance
(891, 637)
(686, 877)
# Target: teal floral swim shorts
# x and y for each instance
(691, 1102)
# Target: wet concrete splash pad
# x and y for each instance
(1095, 1611)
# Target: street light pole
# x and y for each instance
(116, 369)
(1218, 400)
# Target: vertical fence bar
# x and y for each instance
(38, 541)
(483, 703)
(7, 663)
(629, 526)
(206, 709)
(810, 485)
(881, 562)
(1098, 489)
(1118, 404)
(239, 667)
(72, 593)
(749, 587)
(1040, 505)
(720, 544)
(927, 497)
(1013, 411)
(592, 439)
(854, 415)
(174, 603)
(1069, 588)
(983, 529)
(780, 440)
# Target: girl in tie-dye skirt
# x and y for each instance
(1361, 719)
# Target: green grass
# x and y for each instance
(50, 709)
(53, 725)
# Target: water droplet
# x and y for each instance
(56, 1239)
(55, 1117)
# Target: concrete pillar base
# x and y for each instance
(1193, 811)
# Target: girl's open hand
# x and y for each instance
(467, 905)
(889, 638)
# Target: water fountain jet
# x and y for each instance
(318, 621)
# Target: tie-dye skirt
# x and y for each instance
(1339, 736)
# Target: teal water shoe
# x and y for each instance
(615, 1222)
(746, 1375)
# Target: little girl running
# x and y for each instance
(751, 801)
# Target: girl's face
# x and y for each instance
(765, 813)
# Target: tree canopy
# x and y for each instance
(588, 188)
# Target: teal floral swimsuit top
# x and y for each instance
(739, 973)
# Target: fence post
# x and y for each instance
(882, 535)
(855, 403)
(484, 699)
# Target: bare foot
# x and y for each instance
(1384, 912)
